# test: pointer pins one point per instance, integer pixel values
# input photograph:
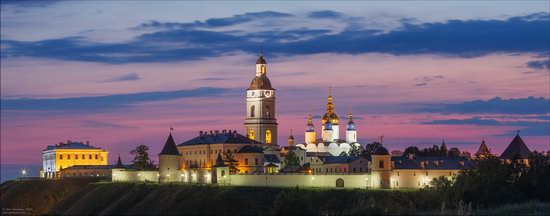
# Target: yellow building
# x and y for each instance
(64, 155)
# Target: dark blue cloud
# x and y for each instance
(212, 22)
(529, 105)
(527, 34)
(106, 102)
(539, 64)
(325, 14)
(529, 128)
(127, 77)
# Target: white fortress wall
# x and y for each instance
(122, 175)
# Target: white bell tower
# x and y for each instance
(260, 122)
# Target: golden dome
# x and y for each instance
(332, 117)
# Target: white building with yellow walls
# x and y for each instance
(64, 155)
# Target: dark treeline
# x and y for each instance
(493, 183)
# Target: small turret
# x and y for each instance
(290, 139)
(351, 132)
(310, 131)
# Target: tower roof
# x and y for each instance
(516, 147)
(381, 151)
(261, 60)
(170, 147)
(260, 82)
(330, 115)
(119, 163)
(483, 149)
(219, 161)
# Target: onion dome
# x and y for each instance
(309, 126)
(351, 124)
(380, 151)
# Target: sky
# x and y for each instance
(121, 73)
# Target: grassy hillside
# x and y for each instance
(85, 198)
(38, 196)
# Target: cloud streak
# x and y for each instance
(202, 39)
(529, 105)
(108, 101)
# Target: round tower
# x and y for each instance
(169, 161)
(310, 131)
(328, 133)
(260, 122)
(351, 132)
(381, 168)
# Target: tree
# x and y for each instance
(231, 162)
(369, 149)
(355, 150)
(454, 152)
(291, 159)
(141, 158)
(411, 150)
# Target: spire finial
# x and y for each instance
(171, 129)
(309, 119)
(290, 131)
(261, 50)
(518, 133)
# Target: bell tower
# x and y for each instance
(260, 122)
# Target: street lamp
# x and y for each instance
(23, 173)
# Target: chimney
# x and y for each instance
(87, 142)
(235, 133)
(200, 133)
(411, 156)
(211, 133)
(216, 132)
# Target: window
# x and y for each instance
(234, 150)
(268, 136)
(414, 173)
(90, 157)
(381, 164)
(354, 169)
(326, 170)
(246, 161)
(251, 134)
(268, 111)
(255, 161)
(397, 173)
(426, 173)
(69, 156)
(60, 157)
(96, 156)
(76, 157)
(345, 169)
(396, 183)
(223, 172)
(450, 173)
(83, 157)
(252, 111)
(360, 169)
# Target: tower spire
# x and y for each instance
(330, 106)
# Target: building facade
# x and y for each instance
(64, 155)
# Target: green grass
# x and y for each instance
(78, 197)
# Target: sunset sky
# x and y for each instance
(121, 73)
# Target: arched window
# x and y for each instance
(339, 182)
(251, 134)
(252, 111)
(381, 164)
(223, 172)
(267, 111)
(268, 136)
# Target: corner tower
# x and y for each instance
(260, 122)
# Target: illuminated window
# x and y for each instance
(252, 111)
(90, 157)
(251, 134)
(76, 157)
(69, 157)
(60, 157)
(268, 136)
(96, 156)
